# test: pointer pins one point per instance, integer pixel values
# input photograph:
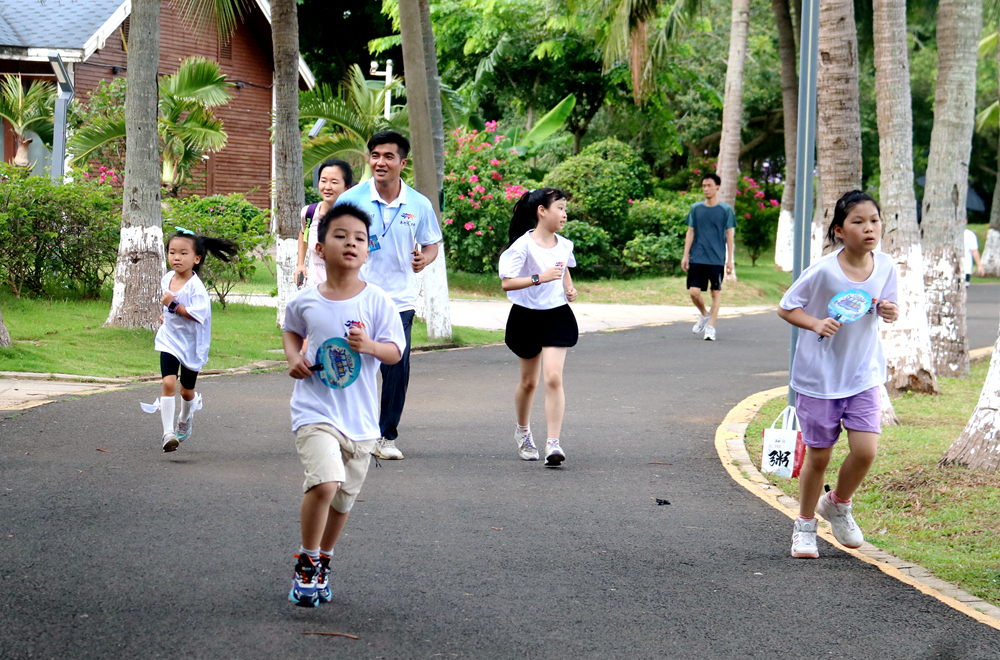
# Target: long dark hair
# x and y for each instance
(345, 169)
(844, 205)
(526, 210)
(223, 248)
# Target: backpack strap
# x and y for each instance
(310, 213)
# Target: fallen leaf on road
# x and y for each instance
(80, 471)
(331, 634)
(497, 529)
(660, 463)
(104, 450)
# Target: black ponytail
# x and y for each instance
(223, 248)
(526, 210)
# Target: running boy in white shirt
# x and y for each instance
(336, 427)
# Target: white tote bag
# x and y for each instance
(783, 448)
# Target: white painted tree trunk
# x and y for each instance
(4, 335)
(784, 248)
(991, 253)
(889, 417)
(958, 29)
(732, 110)
(785, 237)
(979, 445)
(286, 253)
(434, 304)
(907, 341)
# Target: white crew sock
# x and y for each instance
(328, 553)
(186, 407)
(167, 407)
(523, 429)
(312, 553)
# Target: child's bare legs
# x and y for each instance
(864, 447)
(811, 479)
(315, 515)
(553, 359)
(524, 395)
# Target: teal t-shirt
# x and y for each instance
(710, 224)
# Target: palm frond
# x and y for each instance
(488, 64)
(382, 44)
(347, 147)
(93, 136)
(988, 45)
(27, 109)
(202, 129)
(199, 80)
(989, 117)
(203, 14)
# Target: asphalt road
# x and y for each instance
(461, 550)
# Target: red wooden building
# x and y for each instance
(90, 36)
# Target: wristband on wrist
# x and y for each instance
(172, 307)
(535, 280)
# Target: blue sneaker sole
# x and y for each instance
(303, 601)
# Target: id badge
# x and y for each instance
(373, 245)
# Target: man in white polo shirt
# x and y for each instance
(402, 218)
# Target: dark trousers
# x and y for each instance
(395, 378)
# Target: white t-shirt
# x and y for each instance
(352, 410)
(396, 227)
(524, 258)
(315, 265)
(187, 340)
(971, 243)
(851, 361)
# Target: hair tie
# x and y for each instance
(186, 232)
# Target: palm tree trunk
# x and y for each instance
(4, 335)
(838, 112)
(979, 445)
(958, 31)
(289, 195)
(437, 309)
(433, 89)
(991, 251)
(732, 109)
(136, 299)
(790, 105)
(907, 341)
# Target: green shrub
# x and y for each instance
(648, 253)
(660, 218)
(756, 218)
(56, 239)
(591, 247)
(481, 186)
(599, 182)
(222, 216)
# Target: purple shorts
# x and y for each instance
(820, 419)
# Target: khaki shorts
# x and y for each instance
(329, 455)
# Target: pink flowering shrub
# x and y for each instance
(481, 184)
(757, 217)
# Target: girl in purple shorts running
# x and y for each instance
(836, 380)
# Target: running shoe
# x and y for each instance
(184, 426)
(170, 441)
(804, 539)
(526, 449)
(386, 450)
(304, 591)
(845, 530)
(710, 333)
(554, 455)
(323, 592)
(700, 325)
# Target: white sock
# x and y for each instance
(551, 440)
(186, 408)
(523, 429)
(312, 553)
(328, 553)
(167, 406)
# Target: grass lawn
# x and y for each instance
(944, 519)
(67, 337)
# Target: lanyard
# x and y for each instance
(381, 215)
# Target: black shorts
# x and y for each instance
(168, 367)
(700, 275)
(529, 330)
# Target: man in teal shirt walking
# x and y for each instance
(710, 237)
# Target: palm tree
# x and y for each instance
(790, 107)
(27, 110)
(990, 117)
(906, 342)
(958, 30)
(187, 127)
(732, 104)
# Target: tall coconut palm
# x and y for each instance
(978, 447)
(136, 299)
(27, 110)
(783, 252)
(990, 117)
(906, 342)
(732, 109)
(958, 30)
(838, 112)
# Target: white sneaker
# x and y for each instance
(386, 450)
(710, 333)
(184, 426)
(804, 539)
(553, 453)
(170, 442)
(526, 449)
(700, 325)
(845, 530)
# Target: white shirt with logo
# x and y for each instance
(353, 410)
(187, 340)
(851, 361)
(525, 258)
(971, 243)
(396, 226)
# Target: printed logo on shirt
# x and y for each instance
(408, 219)
(353, 324)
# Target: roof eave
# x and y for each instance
(99, 38)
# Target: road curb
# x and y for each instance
(731, 447)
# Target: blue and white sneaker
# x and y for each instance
(184, 426)
(304, 592)
(323, 591)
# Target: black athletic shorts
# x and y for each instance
(529, 330)
(700, 275)
(168, 367)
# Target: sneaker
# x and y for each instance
(170, 441)
(323, 592)
(184, 426)
(710, 333)
(526, 449)
(553, 454)
(304, 592)
(700, 325)
(386, 450)
(845, 530)
(804, 539)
